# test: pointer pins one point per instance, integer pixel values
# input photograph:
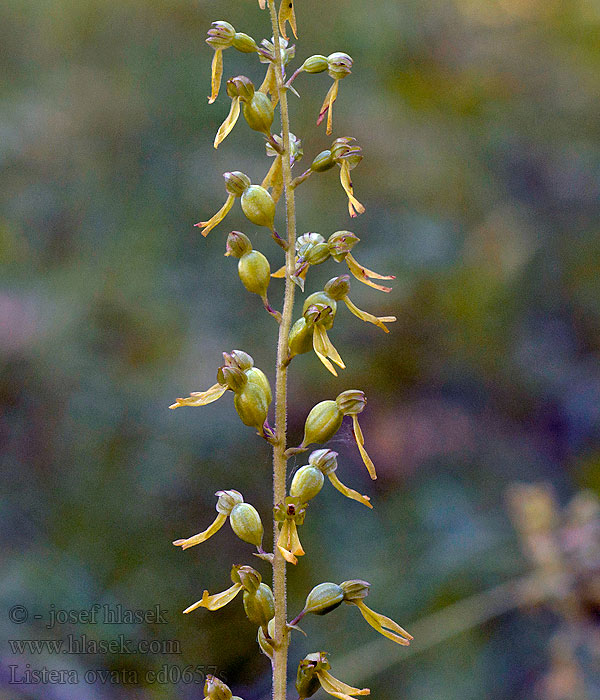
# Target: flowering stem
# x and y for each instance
(279, 458)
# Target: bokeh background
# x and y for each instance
(479, 125)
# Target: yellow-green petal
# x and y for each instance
(320, 348)
(207, 226)
(363, 274)
(288, 542)
(327, 107)
(217, 524)
(217, 600)
(216, 75)
(201, 398)
(354, 206)
(348, 492)
(287, 14)
(360, 443)
(369, 318)
(384, 625)
(338, 688)
(229, 123)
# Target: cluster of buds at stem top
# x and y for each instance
(258, 597)
(251, 388)
(221, 36)
(328, 596)
(290, 514)
(325, 419)
(338, 65)
(318, 315)
(267, 54)
(253, 268)
(257, 204)
(308, 480)
(243, 518)
(255, 106)
(215, 689)
(312, 249)
(274, 177)
(313, 673)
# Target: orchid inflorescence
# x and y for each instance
(265, 607)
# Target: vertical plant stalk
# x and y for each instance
(279, 458)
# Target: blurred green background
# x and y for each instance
(479, 124)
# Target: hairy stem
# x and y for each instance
(279, 458)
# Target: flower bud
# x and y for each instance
(324, 161)
(351, 402)
(326, 315)
(324, 460)
(227, 500)
(317, 254)
(260, 605)
(244, 43)
(238, 244)
(307, 483)
(353, 160)
(258, 112)
(234, 573)
(338, 287)
(239, 359)
(340, 243)
(221, 35)
(232, 90)
(312, 248)
(307, 241)
(232, 377)
(249, 578)
(255, 272)
(343, 147)
(245, 522)
(241, 87)
(324, 598)
(319, 660)
(236, 183)
(320, 299)
(258, 206)
(307, 682)
(339, 65)
(214, 689)
(315, 64)
(252, 405)
(258, 377)
(355, 589)
(322, 423)
(312, 314)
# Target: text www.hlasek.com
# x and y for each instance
(83, 644)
